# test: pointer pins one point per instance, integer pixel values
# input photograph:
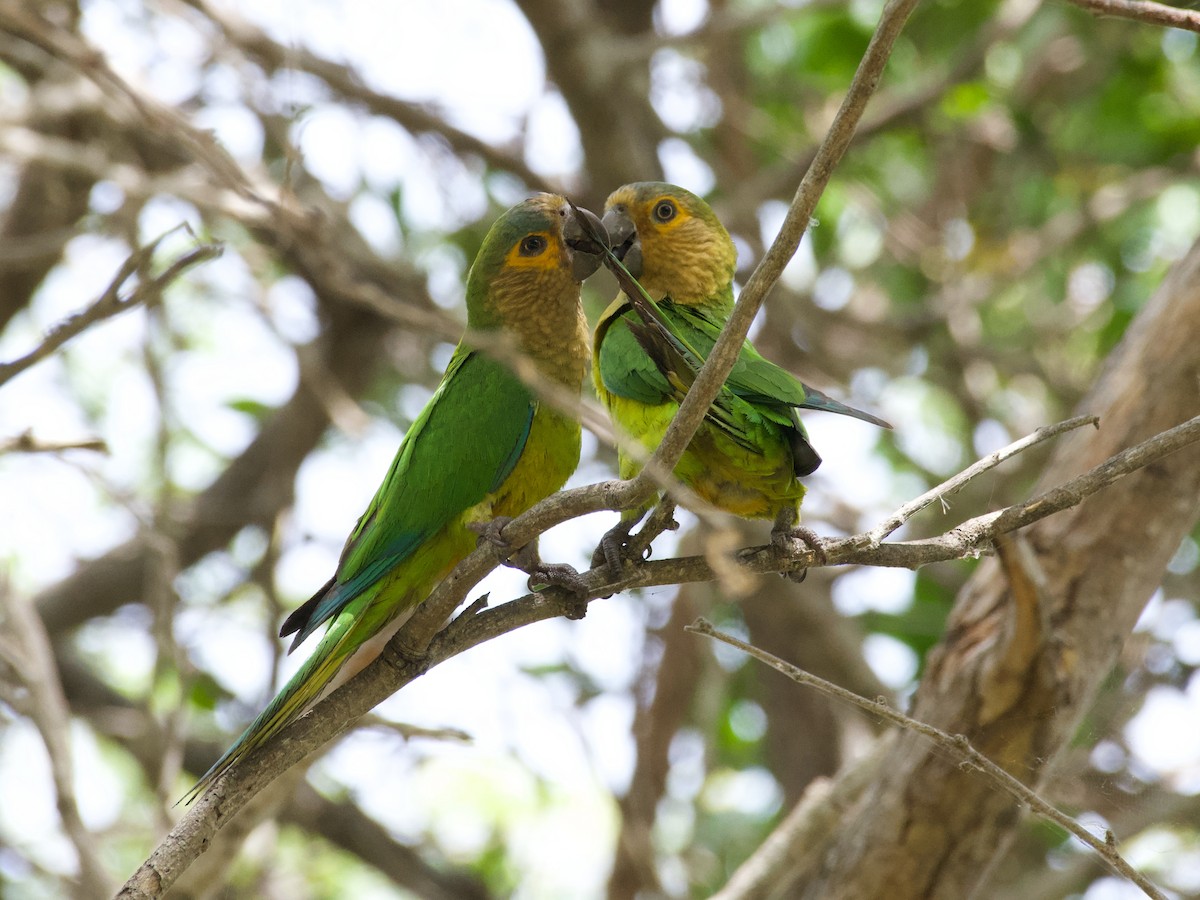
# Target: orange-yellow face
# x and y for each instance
(671, 241)
(536, 250)
(531, 236)
(525, 281)
(531, 262)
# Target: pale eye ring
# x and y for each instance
(664, 211)
(533, 245)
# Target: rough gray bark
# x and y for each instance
(1034, 632)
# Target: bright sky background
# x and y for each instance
(451, 54)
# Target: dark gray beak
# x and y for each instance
(587, 239)
(623, 239)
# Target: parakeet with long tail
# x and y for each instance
(751, 450)
(485, 447)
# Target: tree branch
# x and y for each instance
(26, 653)
(25, 442)
(957, 745)
(956, 483)
(113, 302)
(422, 643)
(1144, 11)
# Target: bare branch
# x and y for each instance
(1144, 11)
(113, 302)
(957, 745)
(413, 117)
(951, 485)
(25, 442)
(26, 653)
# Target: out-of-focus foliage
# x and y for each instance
(1022, 182)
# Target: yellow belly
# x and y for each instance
(550, 456)
(755, 484)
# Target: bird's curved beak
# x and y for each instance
(623, 238)
(587, 239)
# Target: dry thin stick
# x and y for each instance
(112, 302)
(416, 118)
(661, 519)
(956, 744)
(409, 732)
(908, 510)
(25, 442)
(1144, 11)
(25, 648)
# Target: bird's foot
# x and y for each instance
(561, 575)
(544, 575)
(787, 533)
(611, 550)
(493, 533)
(526, 559)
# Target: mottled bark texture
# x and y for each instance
(1035, 630)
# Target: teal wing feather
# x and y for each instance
(625, 367)
(691, 332)
(674, 366)
(436, 475)
(755, 378)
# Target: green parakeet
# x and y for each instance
(483, 448)
(751, 449)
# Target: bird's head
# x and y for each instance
(671, 241)
(532, 260)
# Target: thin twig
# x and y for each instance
(25, 442)
(344, 81)
(661, 518)
(1144, 11)
(113, 302)
(25, 650)
(410, 732)
(951, 485)
(956, 744)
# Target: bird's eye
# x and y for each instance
(664, 211)
(533, 245)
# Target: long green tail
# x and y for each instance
(289, 704)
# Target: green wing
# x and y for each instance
(436, 475)
(753, 377)
(652, 363)
(671, 335)
(625, 368)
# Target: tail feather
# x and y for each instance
(288, 705)
(815, 399)
(805, 458)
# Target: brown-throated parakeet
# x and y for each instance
(751, 449)
(483, 448)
